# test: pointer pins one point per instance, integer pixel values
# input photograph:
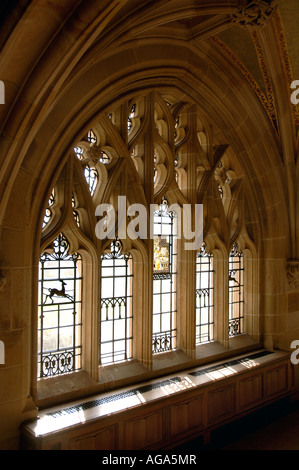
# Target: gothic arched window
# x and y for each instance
(204, 297)
(116, 322)
(59, 310)
(178, 298)
(236, 292)
(164, 280)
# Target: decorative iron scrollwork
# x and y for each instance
(58, 363)
(116, 251)
(234, 327)
(162, 342)
(113, 303)
(204, 293)
(60, 252)
(161, 276)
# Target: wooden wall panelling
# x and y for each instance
(143, 431)
(276, 380)
(102, 439)
(221, 402)
(186, 415)
(250, 391)
(167, 421)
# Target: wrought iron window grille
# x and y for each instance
(116, 326)
(162, 342)
(59, 326)
(164, 280)
(204, 323)
(236, 292)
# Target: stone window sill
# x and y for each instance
(75, 385)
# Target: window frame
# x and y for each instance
(61, 360)
(165, 339)
(76, 220)
(208, 292)
(117, 254)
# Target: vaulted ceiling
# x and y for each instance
(63, 59)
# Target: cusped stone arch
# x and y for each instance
(79, 245)
(179, 77)
(72, 83)
(224, 111)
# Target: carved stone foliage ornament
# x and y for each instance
(253, 14)
(94, 153)
(293, 273)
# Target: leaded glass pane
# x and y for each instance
(116, 307)
(164, 279)
(236, 292)
(204, 322)
(59, 310)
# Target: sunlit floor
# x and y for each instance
(274, 428)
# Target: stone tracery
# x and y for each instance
(180, 154)
(42, 124)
